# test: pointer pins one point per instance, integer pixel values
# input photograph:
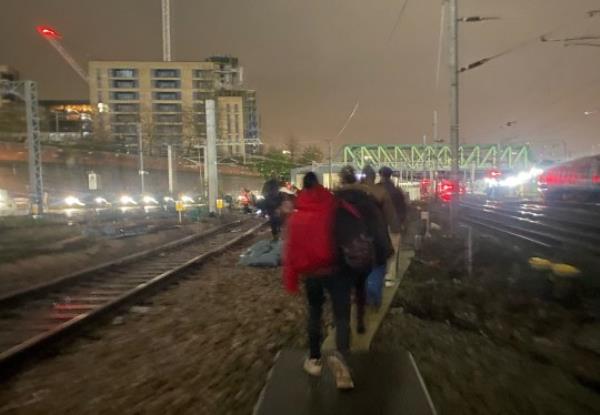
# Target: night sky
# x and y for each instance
(312, 60)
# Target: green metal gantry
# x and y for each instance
(437, 157)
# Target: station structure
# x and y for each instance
(412, 161)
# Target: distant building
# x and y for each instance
(246, 117)
(230, 111)
(229, 73)
(7, 73)
(166, 102)
(66, 120)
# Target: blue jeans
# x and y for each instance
(375, 282)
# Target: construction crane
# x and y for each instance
(166, 29)
(53, 37)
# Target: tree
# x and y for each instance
(292, 147)
(310, 154)
(274, 161)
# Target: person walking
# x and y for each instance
(245, 200)
(362, 221)
(309, 251)
(399, 202)
(272, 201)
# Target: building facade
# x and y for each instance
(165, 102)
(230, 115)
(7, 73)
(66, 120)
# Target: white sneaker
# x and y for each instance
(313, 366)
(343, 378)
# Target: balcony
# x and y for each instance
(166, 73)
(166, 83)
(123, 73)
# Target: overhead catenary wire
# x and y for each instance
(350, 116)
(398, 19)
(543, 38)
(390, 36)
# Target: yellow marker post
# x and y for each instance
(179, 207)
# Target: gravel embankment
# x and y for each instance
(39, 268)
(204, 346)
(494, 343)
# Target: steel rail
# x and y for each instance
(16, 296)
(548, 230)
(560, 234)
(95, 298)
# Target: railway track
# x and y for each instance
(31, 319)
(566, 233)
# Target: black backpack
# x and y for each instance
(360, 231)
(359, 253)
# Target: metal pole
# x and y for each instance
(435, 126)
(170, 165)
(330, 165)
(211, 141)
(141, 156)
(204, 148)
(200, 175)
(166, 30)
(454, 106)
(34, 148)
(56, 121)
(469, 243)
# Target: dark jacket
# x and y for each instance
(382, 200)
(371, 223)
(270, 192)
(397, 198)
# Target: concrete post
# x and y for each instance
(141, 157)
(170, 166)
(211, 153)
(454, 107)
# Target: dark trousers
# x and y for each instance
(339, 287)
(360, 285)
(275, 222)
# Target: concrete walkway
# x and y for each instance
(373, 319)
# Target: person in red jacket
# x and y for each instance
(310, 252)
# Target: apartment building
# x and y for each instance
(230, 113)
(165, 101)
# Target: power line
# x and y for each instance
(543, 38)
(347, 120)
(398, 18)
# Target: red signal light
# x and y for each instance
(48, 32)
(494, 173)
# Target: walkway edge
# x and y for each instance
(373, 320)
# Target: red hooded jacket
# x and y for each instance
(309, 243)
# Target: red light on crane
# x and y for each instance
(48, 32)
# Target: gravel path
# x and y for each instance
(202, 347)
